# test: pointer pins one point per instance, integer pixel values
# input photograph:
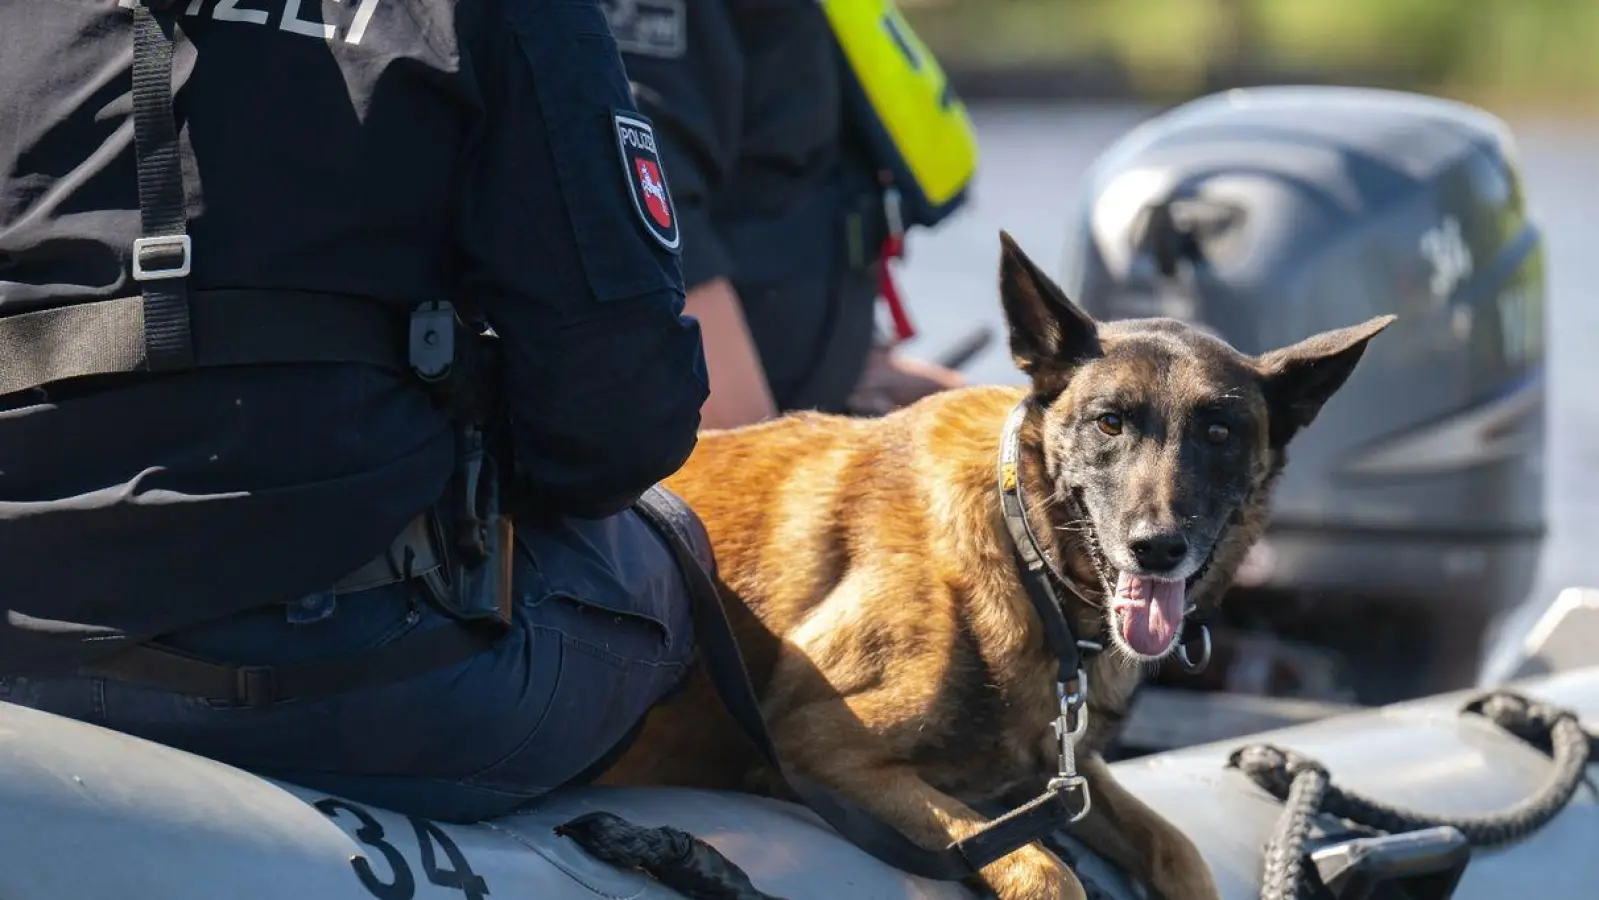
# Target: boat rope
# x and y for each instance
(699, 871)
(1306, 790)
(673, 857)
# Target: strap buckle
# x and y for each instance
(893, 215)
(255, 686)
(431, 347)
(160, 249)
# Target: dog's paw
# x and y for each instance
(1032, 873)
(1180, 873)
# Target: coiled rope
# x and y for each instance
(1306, 790)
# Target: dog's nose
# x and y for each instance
(1155, 550)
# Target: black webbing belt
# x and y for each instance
(221, 328)
(169, 328)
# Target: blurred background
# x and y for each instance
(1510, 55)
(1051, 84)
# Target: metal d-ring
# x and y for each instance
(1189, 664)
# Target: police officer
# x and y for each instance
(782, 212)
(238, 512)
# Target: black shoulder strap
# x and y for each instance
(169, 328)
(163, 252)
(720, 654)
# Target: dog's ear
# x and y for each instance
(1297, 380)
(1048, 332)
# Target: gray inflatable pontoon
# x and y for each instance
(94, 815)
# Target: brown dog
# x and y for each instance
(872, 583)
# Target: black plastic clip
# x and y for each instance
(432, 342)
(255, 687)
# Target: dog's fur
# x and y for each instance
(871, 580)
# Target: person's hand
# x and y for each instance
(893, 380)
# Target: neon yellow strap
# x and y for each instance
(904, 84)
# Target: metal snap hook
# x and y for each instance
(1071, 786)
(1189, 664)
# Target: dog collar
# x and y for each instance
(1036, 575)
(1039, 578)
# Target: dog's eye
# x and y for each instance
(1110, 423)
(1218, 433)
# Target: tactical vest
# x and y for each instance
(170, 328)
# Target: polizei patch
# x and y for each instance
(646, 179)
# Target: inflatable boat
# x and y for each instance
(92, 814)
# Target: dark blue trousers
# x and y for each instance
(602, 631)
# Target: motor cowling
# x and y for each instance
(1267, 215)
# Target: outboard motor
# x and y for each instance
(1270, 214)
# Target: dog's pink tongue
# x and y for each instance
(1148, 611)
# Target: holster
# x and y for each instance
(459, 362)
(475, 583)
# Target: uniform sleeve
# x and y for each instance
(692, 88)
(604, 375)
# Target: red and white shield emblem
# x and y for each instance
(646, 179)
(649, 178)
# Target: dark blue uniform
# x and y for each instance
(487, 153)
(776, 189)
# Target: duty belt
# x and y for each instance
(415, 554)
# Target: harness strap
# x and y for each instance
(162, 254)
(221, 328)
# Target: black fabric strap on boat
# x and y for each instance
(167, 669)
(719, 653)
(168, 327)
